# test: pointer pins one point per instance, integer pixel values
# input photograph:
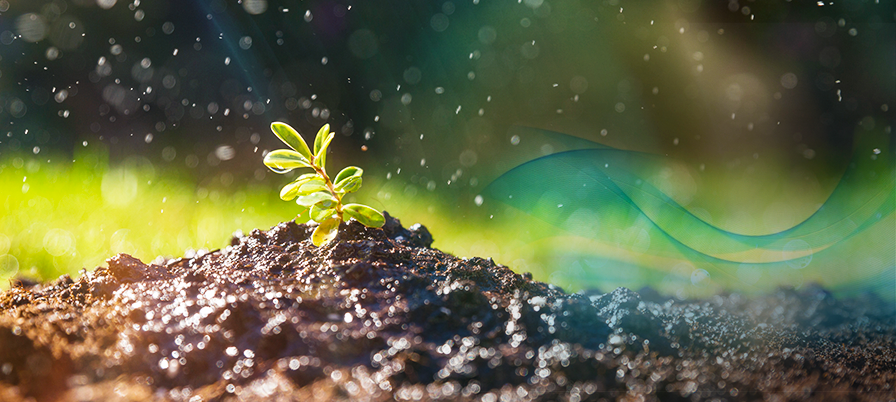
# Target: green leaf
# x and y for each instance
(291, 190)
(320, 157)
(348, 185)
(292, 138)
(311, 186)
(366, 215)
(322, 210)
(284, 160)
(314, 198)
(348, 172)
(325, 232)
(321, 136)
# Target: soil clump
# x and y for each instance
(379, 315)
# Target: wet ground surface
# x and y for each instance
(378, 315)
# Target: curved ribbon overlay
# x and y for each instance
(619, 224)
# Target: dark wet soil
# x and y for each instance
(379, 315)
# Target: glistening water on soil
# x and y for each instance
(379, 315)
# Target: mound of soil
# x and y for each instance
(379, 315)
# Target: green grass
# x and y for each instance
(60, 216)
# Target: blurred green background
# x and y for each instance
(139, 127)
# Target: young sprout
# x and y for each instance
(319, 197)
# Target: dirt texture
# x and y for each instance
(379, 315)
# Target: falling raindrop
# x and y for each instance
(60, 96)
(225, 152)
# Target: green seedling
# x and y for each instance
(319, 197)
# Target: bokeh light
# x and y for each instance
(140, 126)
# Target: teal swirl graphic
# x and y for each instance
(618, 223)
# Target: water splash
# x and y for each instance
(620, 223)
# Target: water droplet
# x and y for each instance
(52, 53)
(225, 152)
(60, 96)
(245, 42)
(106, 4)
(255, 7)
(698, 276)
(279, 170)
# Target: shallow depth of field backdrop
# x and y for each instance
(688, 145)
